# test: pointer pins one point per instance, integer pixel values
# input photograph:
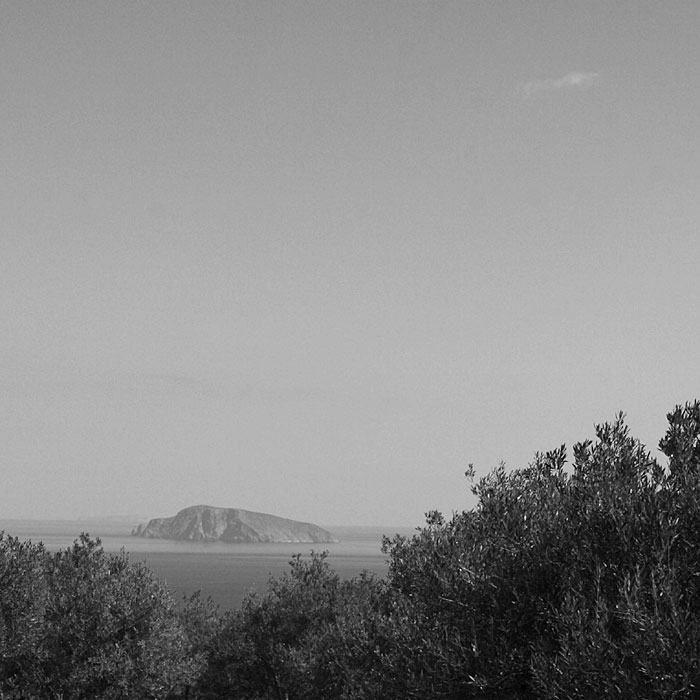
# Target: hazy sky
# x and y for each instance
(313, 258)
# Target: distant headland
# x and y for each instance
(210, 524)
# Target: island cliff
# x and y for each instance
(208, 524)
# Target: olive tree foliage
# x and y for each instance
(567, 580)
(23, 600)
(633, 626)
(80, 623)
(564, 582)
(293, 642)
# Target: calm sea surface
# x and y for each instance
(223, 571)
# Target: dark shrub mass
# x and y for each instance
(577, 580)
(80, 623)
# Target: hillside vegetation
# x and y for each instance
(577, 580)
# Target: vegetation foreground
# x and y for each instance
(576, 582)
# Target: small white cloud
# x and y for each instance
(577, 80)
(570, 80)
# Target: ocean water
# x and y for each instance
(226, 572)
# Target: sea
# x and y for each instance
(225, 572)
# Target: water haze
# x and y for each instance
(224, 571)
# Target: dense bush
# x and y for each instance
(292, 642)
(83, 624)
(23, 600)
(565, 581)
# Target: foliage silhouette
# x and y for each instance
(83, 624)
(566, 581)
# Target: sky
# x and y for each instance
(315, 258)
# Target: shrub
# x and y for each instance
(83, 624)
(564, 584)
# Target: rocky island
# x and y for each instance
(210, 524)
